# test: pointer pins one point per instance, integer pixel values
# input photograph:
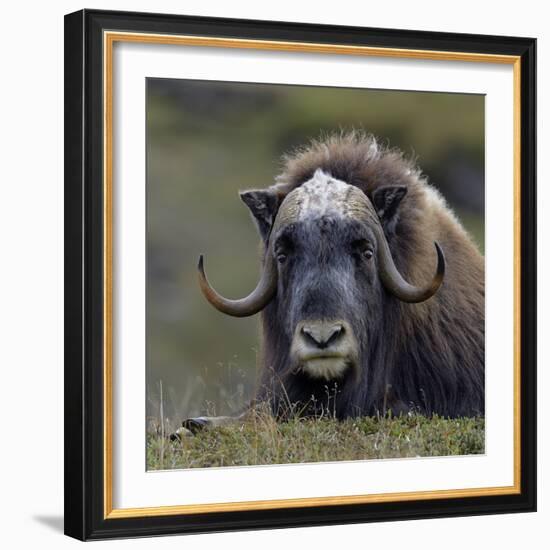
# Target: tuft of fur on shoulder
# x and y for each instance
(355, 157)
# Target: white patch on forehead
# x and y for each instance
(322, 195)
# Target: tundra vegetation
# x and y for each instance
(263, 440)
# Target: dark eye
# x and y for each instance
(363, 249)
(283, 247)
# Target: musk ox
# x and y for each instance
(371, 290)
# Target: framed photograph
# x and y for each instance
(300, 274)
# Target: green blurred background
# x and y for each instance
(206, 141)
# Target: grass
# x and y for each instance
(262, 440)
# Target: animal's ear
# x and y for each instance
(386, 201)
(263, 204)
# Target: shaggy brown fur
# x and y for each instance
(436, 363)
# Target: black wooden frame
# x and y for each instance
(84, 518)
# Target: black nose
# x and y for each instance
(322, 335)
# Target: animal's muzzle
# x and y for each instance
(324, 348)
(322, 335)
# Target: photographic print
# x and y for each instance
(342, 231)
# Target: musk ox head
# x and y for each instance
(327, 270)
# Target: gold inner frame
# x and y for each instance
(109, 39)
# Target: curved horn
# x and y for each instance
(254, 302)
(394, 282)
